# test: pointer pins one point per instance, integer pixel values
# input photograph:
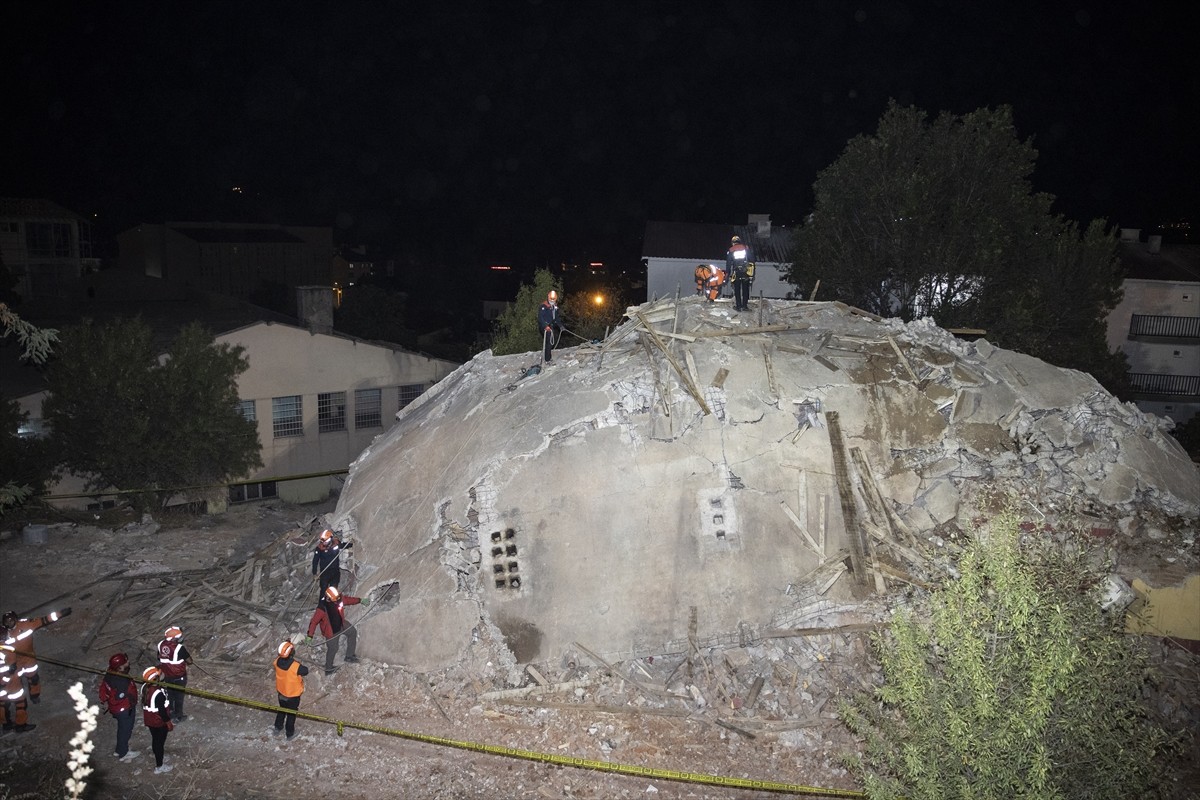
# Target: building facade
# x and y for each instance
(43, 245)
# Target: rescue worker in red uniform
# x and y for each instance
(120, 694)
(709, 280)
(13, 704)
(741, 271)
(18, 634)
(326, 563)
(156, 714)
(289, 684)
(173, 660)
(330, 616)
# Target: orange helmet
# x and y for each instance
(151, 674)
(333, 594)
(173, 632)
(286, 649)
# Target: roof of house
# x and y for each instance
(30, 207)
(708, 241)
(222, 235)
(1173, 262)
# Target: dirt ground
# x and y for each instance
(227, 751)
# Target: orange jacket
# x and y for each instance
(289, 677)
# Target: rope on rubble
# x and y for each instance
(508, 752)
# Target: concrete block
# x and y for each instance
(941, 501)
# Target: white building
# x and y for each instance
(1157, 324)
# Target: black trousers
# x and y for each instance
(175, 697)
(289, 720)
(741, 294)
(158, 743)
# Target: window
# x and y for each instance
(48, 239)
(410, 392)
(367, 405)
(252, 491)
(10, 227)
(247, 410)
(287, 418)
(331, 412)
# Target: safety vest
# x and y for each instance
(154, 704)
(288, 682)
(171, 659)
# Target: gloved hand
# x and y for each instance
(308, 640)
(348, 545)
(66, 612)
(547, 329)
(366, 601)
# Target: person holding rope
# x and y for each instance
(289, 685)
(330, 617)
(549, 324)
(173, 660)
(327, 558)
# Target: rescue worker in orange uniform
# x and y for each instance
(289, 684)
(709, 280)
(173, 660)
(156, 714)
(120, 694)
(18, 634)
(330, 616)
(13, 704)
(327, 563)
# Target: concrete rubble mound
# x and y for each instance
(702, 478)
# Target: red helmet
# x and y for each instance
(333, 594)
(118, 663)
(286, 649)
(151, 674)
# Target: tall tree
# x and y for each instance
(940, 219)
(125, 419)
(25, 461)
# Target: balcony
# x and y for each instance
(1150, 386)
(1149, 326)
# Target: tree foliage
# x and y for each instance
(1012, 682)
(125, 419)
(516, 329)
(940, 219)
(25, 462)
(589, 313)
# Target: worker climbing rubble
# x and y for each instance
(326, 562)
(173, 660)
(330, 617)
(17, 633)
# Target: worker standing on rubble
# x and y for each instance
(741, 272)
(17, 633)
(173, 660)
(156, 714)
(119, 694)
(330, 616)
(14, 708)
(289, 684)
(327, 560)
(549, 324)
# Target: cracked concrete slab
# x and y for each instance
(629, 482)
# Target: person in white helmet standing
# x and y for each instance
(156, 715)
(289, 685)
(548, 324)
(173, 660)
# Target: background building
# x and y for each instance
(43, 245)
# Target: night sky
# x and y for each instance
(536, 131)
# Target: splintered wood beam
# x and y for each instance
(795, 326)
(691, 387)
(908, 367)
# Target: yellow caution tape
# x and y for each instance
(508, 752)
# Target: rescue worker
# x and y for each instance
(173, 660)
(14, 708)
(548, 324)
(741, 271)
(156, 714)
(327, 559)
(289, 684)
(119, 694)
(330, 616)
(709, 281)
(18, 634)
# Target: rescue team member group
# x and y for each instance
(162, 693)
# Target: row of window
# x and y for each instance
(287, 413)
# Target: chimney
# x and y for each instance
(1131, 234)
(761, 223)
(314, 306)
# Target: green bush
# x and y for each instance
(1011, 682)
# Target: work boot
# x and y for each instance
(26, 728)
(331, 670)
(351, 659)
(179, 719)
(130, 756)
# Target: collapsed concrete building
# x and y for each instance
(701, 475)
